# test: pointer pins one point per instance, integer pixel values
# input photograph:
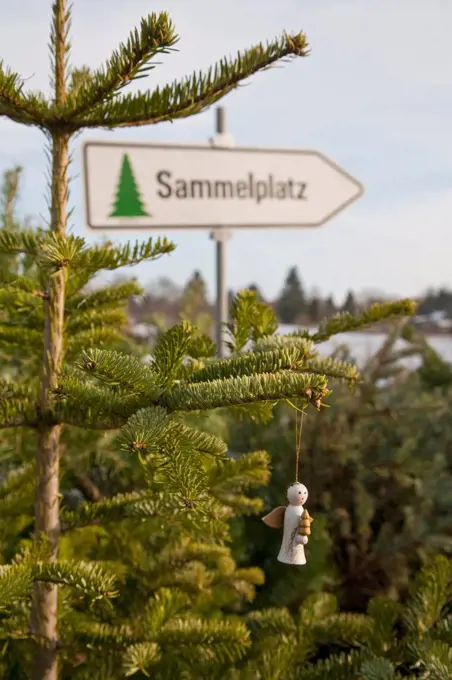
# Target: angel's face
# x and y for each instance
(297, 494)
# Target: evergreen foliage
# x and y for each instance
(377, 465)
(146, 493)
(82, 98)
(159, 521)
(391, 641)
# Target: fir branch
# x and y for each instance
(17, 478)
(292, 341)
(227, 640)
(88, 578)
(201, 441)
(26, 109)
(119, 370)
(332, 368)
(14, 627)
(434, 657)
(385, 613)
(201, 347)
(58, 251)
(18, 301)
(165, 604)
(140, 658)
(22, 241)
(11, 279)
(345, 323)
(250, 320)
(259, 412)
(77, 281)
(15, 585)
(19, 502)
(103, 298)
(430, 591)
(240, 473)
(86, 405)
(346, 630)
(250, 364)
(190, 365)
(246, 389)
(377, 669)
(130, 62)
(86, 319)
(171, 447)
(140, 505)
(79, 78)
(175, 556)
(100, 635)
(145, 431)
(8, 198)
(170, 351)
(127, 255)
(317, 607)
(193, 95)
(343, 666)
(192, 578)
(17, 404)
(15, 334)
(243, 581)
(443, 630)
(188, 480)
(271, 621)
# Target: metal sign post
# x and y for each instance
(221, 236)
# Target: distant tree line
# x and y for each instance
(437, 301)
(293, 305)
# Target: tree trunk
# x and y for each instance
(47, 522)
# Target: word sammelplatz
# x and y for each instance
(250, 188)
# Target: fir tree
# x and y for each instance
(291, 303)
(330, 307)
(315, 309)
(350, 305)
(191, 575)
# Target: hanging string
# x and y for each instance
(298, 432)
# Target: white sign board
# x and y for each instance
(161, 186)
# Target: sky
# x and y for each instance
(375, 95)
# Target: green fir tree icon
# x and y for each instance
(128, 202)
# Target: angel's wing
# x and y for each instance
(275, 518)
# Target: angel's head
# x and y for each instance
(297, 494)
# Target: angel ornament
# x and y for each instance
(297, 525)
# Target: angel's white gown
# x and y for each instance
(292, 552)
